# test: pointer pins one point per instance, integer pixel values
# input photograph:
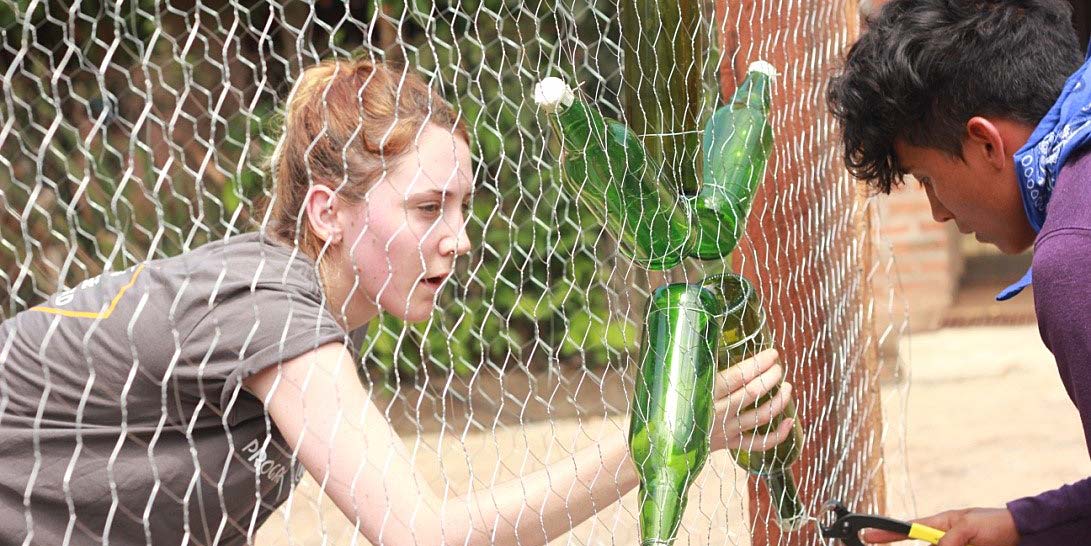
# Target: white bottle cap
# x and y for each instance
(552, 93)
(764, 67)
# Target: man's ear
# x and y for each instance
(319, 206)
(985, 141)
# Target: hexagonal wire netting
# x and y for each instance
(138, 131)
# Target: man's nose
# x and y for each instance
(939, 212)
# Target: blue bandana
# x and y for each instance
(1063, 130)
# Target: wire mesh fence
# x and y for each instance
(140, 131)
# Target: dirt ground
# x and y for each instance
(980, 419)
(987, 419)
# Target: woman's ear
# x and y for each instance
(319, 205)
(984, 140)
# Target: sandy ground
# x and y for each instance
(983, 419)
(987, 419)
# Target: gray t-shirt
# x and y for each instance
(122, 413)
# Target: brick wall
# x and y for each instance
(927, 259)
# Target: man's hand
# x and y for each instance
(968, 527)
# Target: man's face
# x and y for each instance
(980, 196)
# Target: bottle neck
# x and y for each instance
(576, 125)
(791, 515)
(754, 92)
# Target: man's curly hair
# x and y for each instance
(925, 67)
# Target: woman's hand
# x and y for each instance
(737, 388)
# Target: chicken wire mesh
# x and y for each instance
(137, 131)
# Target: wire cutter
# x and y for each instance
(847, 526)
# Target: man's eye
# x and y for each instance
(431, 208)
(466, 209)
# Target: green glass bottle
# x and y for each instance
(672, 407)
(745, 333)
(664, 84)
(605, 167)
(737, 143)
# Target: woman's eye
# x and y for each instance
(436, 209)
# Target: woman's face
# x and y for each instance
(402, 239)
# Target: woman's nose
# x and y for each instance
(457, 242)
(462, 242)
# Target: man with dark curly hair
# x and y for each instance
(987, 104)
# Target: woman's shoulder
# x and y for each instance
(251, 259)
(247, 276)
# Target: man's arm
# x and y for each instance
(1061, 517)
(1062, 301)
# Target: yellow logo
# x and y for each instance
(90, 314)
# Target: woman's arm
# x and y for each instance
(346, 443)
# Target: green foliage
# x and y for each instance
(98, 175)
(108, 191)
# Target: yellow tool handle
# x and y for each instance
(925, 533)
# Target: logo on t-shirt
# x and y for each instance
(269, 469)
(66, 297)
